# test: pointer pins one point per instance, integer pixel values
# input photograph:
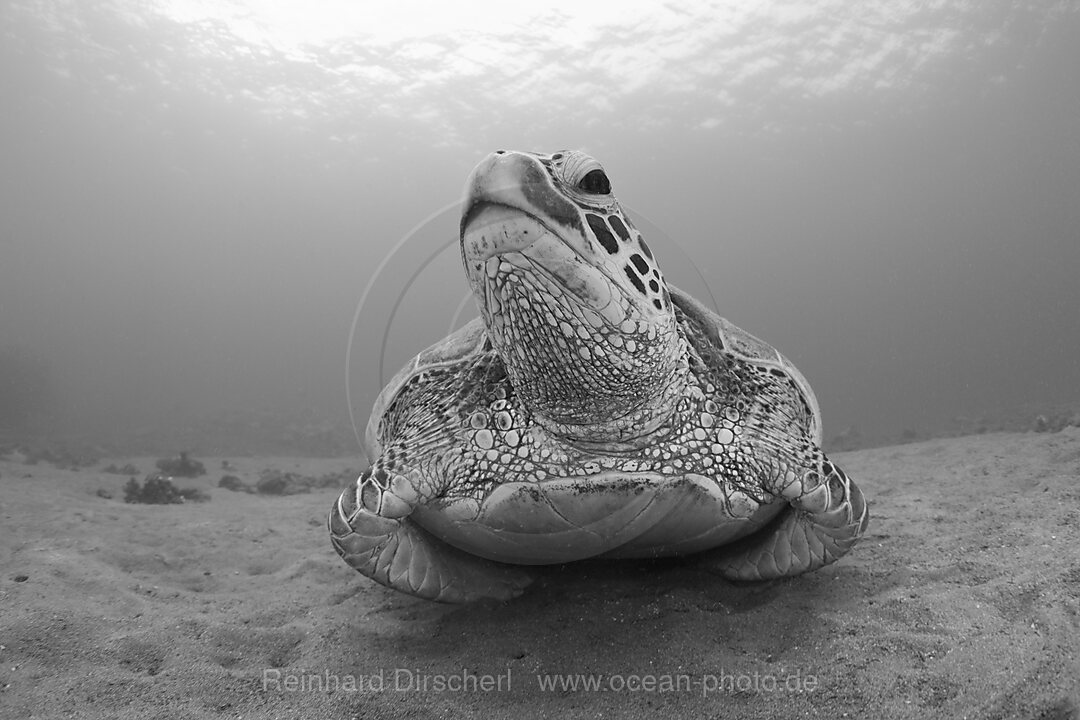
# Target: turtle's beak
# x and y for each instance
(489, 229)
(507, 251)
(518, 180)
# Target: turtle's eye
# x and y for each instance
(595, 182)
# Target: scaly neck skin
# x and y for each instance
(583, 380)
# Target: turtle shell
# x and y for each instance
(460, 344)
(611, 513)
(750, 348)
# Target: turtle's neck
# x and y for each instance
(585, 380)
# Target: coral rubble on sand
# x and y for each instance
(158, 489)
(155, 490)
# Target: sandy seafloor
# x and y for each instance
(963, 601)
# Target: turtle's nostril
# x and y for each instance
(500, 152)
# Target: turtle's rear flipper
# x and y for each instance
(370, 529)
(826, 516)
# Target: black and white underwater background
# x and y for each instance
(196, 194)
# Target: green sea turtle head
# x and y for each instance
(571, 296)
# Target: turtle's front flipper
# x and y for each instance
(371, 530)
(826, 516)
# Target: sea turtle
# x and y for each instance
(592, 410)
